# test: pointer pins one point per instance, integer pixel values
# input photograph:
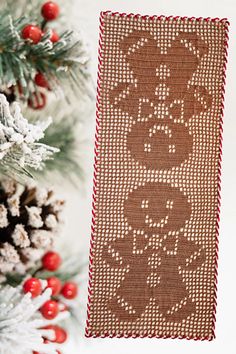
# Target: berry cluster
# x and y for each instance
(33, 33)
(51, 261)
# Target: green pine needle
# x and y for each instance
(71, 268)
(20, 59)
(61, 134)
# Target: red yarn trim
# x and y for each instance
(88, 333)
(219, 173)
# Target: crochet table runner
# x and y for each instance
(156, 188)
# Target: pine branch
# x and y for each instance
(71, 268)
(20, 59)
(61, 134)
(22, 327)
(20, 149)
(64, 64)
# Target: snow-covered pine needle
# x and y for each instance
(21, 322)
(19, 146)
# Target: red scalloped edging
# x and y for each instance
(163, 17)
(96, 151)
(88, 333)
(219, 174)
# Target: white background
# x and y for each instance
(78, 216)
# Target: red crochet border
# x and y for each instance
(96, 159)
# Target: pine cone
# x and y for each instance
(29, 219)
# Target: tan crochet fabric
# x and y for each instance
(156, 197)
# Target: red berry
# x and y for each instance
(51, 261)
(54, 37)
(50, 11)
(41, 80)
(50, 309)
(37, 100)
(33, 286)
(60, 334)
(32, 32)
(55, 284)
(69, 290)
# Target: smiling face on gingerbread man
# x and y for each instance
(154, 207)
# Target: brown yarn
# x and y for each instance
(157, 164)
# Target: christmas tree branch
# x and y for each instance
(20, 59)
(20, 146)
(61, 135)
(71, 269)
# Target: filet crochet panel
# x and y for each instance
(156, 187)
